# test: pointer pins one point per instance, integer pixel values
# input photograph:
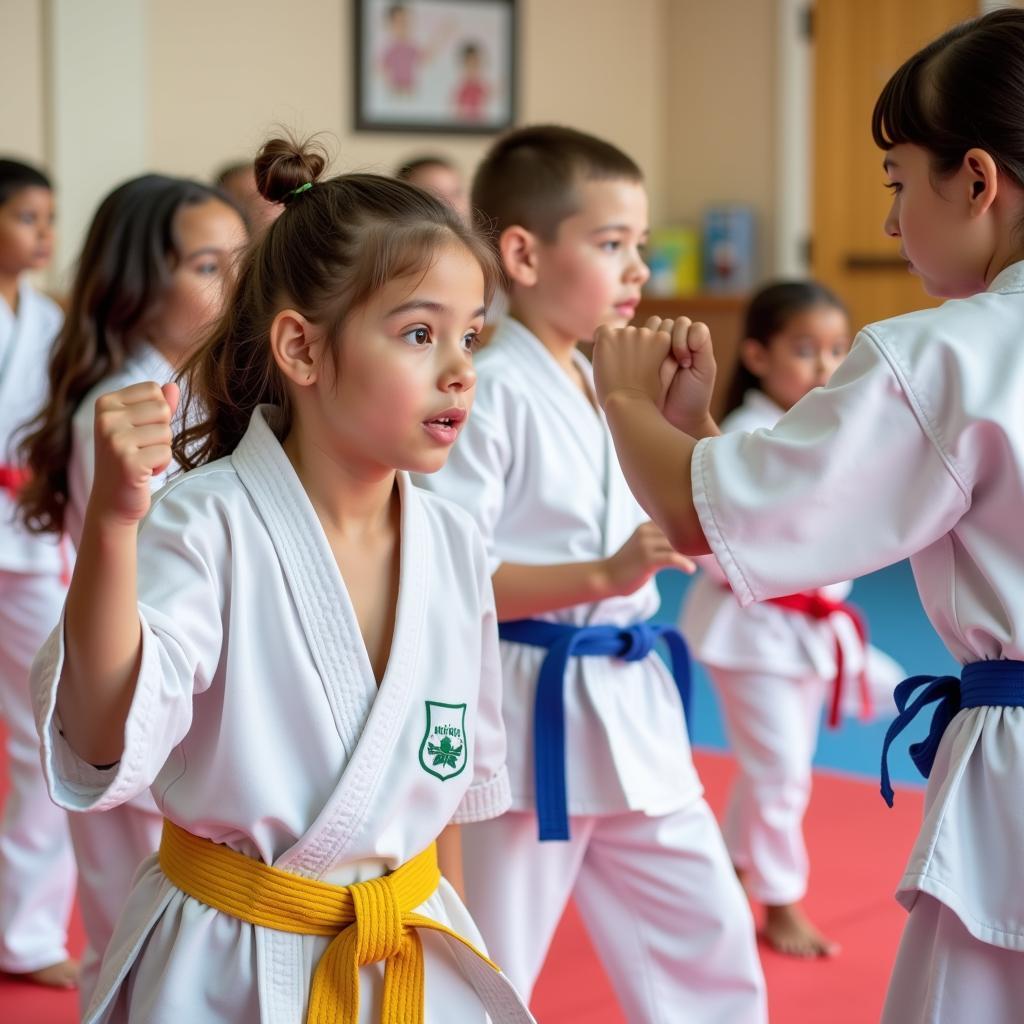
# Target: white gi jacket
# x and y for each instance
(916, 448)
(25, 343)
(259, 724)
(536, 467)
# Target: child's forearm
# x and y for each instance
(655, 459)
(521, 591)
(103, 640)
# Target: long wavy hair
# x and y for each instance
(125, 265)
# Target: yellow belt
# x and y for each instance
(369, 921)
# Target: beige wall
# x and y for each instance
(22, 92)
(685, 86)
(720, 116)
(222, 73)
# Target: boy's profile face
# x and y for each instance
(592, 273)
(26, 230)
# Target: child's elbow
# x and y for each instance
(685, 533)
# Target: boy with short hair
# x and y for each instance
(37, 870)
(598, 752)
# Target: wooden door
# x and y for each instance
(858, 44)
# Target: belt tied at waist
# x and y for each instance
(367, 921)
(816, 605)
(982, 684)
(562, 642)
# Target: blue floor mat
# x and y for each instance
(898, 626)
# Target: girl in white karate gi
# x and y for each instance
(775, 664)
(915, 449)
(298, 650)
(151, 277)
(37, 873)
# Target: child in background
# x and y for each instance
(439, 175)
(775, 664)
(37, 874)
(238, 182)
(596, 727)
(915, 449)
(152, 275)
(298, 650)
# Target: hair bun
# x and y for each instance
(283, 165)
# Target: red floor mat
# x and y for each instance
(857, 846)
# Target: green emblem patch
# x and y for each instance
(443, 750)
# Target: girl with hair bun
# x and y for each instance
(914, 449)
(297, 651)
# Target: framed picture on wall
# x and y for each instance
(435, 65)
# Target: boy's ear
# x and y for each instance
(518, 248)
(754, 356)
(296, 346)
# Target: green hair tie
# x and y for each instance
(298, 191)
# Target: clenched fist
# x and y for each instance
(132, 437)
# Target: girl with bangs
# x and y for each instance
(915, 449)
(297, 651)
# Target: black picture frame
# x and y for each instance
(435, 66)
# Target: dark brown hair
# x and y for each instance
(769, 312)
(963, 90)
(125, 265)
(530, 178)
(15, 176)
(337, 243)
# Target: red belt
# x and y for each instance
(814, 604)
(12, 479)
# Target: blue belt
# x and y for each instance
(983, 684)
(562, 642)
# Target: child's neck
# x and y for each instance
(352, 500)
(562, 346)
(9, 290)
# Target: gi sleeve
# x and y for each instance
(181, 571)
(850, 480)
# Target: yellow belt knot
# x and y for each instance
(379, 927)
(368, 922)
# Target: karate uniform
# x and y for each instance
(915, 449)
(109, 847)
(37, 873)
(536, 466)
(773, 669)
(258, 723)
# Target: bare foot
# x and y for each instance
(788, 930)
(62, 975)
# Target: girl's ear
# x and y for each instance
(982, 175)
(518, 248)
(754, 356)
(296, 345)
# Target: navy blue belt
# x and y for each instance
(983, 684)
(562, 642)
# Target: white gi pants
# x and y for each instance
(659, 898)
(772, 723)
(37, 870)
(944, 975)
(109, 847)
